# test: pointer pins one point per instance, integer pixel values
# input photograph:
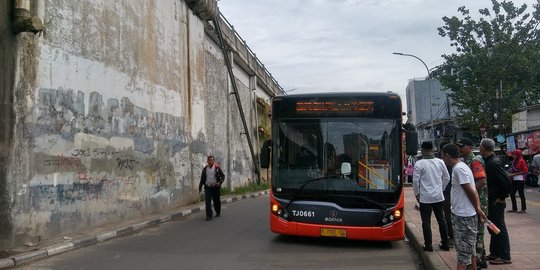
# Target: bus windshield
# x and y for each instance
(312, 148)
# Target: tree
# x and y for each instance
(501, 50)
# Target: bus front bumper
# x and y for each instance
(392, 232)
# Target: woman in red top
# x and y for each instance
(517, 172)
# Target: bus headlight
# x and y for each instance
(397, 213)
(280, 212)
(391, 217)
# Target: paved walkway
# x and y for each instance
(523, 231)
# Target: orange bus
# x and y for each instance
(337, 164)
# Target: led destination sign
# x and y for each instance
(362, 107)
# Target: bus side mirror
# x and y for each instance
(411, 143)
(345, 169)
(265, 154)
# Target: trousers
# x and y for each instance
(425, 213)
(212, 194)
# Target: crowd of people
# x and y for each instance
(466, 192)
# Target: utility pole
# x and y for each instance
(499, 115)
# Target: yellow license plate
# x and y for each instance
(333, 232)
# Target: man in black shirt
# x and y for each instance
(498, 189)
(211, 178)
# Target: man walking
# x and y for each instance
(211, 178)
(476, 164)
(465, 208)
(430, 176)
(498, 190)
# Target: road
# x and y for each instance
(239, 239)
(532, 196)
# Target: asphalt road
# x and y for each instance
(239, 239)
(532, 197)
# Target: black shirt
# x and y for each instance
(497, 179)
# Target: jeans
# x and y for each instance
(500, 243)
(212, 194)
(425, 213)
(519, 187)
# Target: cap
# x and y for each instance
(428, 145)
(464, 141)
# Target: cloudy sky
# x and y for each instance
(329, 45)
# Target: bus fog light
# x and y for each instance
(391, 217)
(384, 220)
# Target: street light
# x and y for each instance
(429, 85)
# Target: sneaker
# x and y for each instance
(444, 247)
(490, 257)
(482, 264)
(522, 212)
(208, 218)
(511, 211)
(427, 248)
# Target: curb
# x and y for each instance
(430, 260)
(59, 248)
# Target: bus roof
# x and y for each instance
(340, 94)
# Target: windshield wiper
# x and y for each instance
(305, 183)
(381, 207)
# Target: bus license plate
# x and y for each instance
(333, 232)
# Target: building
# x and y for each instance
(431, 111)
(525, 131)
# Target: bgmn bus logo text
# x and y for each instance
(333, 219)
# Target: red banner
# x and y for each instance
(533, 142)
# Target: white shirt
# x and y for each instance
(461, 205)
(430, 176)
(536, 161)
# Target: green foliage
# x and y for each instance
(251, 187)
(500, 48)
(264, 127)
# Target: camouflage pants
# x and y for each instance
(465, 237)
(480, 246)
(484, 205)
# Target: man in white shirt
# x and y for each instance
(465, 208)
(430, 176)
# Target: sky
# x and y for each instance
(344, 45)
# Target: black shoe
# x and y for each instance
(444, 247)
(218, 214)
(427, 248)
(208, 218)
(482, 264)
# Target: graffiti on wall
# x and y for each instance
(96, 170)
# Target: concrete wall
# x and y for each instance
(7, 74)
(110, 114)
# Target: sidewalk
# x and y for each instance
(524, 243)
(108, 232)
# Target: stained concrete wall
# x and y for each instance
(110, 114)
(7, 74)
